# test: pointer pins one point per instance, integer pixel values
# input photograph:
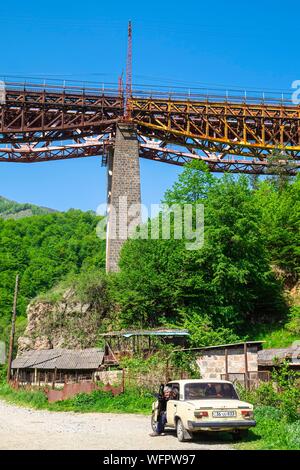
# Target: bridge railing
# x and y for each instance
(61, 86)
(216, 95)
(222, 95)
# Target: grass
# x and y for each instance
(274, 336)
(133, 400)
(272, 432)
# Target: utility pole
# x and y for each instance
(13, 326)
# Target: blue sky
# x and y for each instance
(228, 43)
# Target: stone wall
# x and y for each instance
(112, 377)
(212, 362)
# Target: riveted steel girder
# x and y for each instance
(48, 123)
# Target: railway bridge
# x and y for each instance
(229, 133)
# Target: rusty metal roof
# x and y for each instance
(229, 345)
(67, 359)
(267, 356)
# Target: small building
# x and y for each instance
(269, 359)
(60, 365)
(235, 362)
(144, 341)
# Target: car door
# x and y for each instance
(172, 404)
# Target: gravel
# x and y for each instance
(23, 428)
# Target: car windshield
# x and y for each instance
(200, 391)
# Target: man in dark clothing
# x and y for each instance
(162, 411)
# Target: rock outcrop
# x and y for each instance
(64, 323)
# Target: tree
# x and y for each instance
(228, 280)
(280, 225)
(193, 184)
(44, 249)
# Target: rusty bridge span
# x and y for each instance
(229, 133)
(233, 134)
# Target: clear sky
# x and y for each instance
(231, 43)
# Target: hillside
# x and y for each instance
(15, 210)
(242, 283)
(44, 249)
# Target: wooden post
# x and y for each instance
(123, 380)
(35, 376)
(226, 364)
(13, 327)
(167, 371)
(246, 367)
(54, 378)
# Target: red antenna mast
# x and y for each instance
(128, 71)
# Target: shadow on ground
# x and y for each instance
(215, 438)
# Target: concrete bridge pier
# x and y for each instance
(123, 194)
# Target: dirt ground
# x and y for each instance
(22, 428)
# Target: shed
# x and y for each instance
(269, 358)
(59, 365)
(235, 361)
(131, 341)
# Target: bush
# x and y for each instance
(269, 413)
(266, 395)
(271, 428)
(133, 400)
(293, 324)
(293, 435)
(3, 372)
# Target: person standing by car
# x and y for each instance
(162, 411)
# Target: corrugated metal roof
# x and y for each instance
(267, 356)
(156, 332)
(60, 358)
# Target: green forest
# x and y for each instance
(243, 282)
(15, 210)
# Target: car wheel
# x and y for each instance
(182, 433)
(153, 423)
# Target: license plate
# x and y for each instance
(224, 414)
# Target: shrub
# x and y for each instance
(293, 435)
(269, 413)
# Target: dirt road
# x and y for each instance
(22, 428)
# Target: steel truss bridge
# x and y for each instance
(236, 134)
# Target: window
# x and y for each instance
(175, 391)
(210, 390)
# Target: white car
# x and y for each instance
(204, 405)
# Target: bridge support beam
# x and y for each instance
(124, 193)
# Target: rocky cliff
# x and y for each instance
(64, 323)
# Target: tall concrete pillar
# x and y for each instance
(124, 193)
